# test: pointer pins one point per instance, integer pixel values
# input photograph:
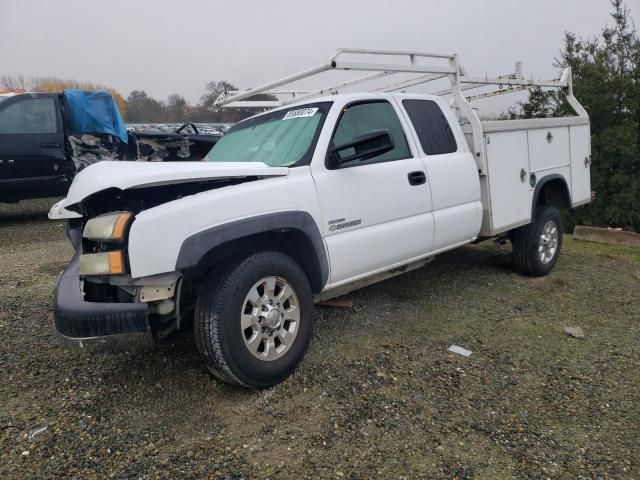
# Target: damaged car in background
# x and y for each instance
(47, 138)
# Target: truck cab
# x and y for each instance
(398, 203)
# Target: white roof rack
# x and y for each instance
(407, 62)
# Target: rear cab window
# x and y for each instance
(431, 126)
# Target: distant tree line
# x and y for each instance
(606, 80)
(139, 107)
(20, 83)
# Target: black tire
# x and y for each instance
(218, 334)
(527, 242)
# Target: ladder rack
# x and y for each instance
(423, 74)
(407, 63)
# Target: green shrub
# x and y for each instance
(606, 80)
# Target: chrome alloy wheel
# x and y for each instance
(270, 318)
(548, 242)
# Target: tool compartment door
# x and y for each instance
(580, 139)
(548, 149)
(509, 190)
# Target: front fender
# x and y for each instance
(157, 235)
(197, 246)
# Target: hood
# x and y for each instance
(129, 175)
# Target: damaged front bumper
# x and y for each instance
(96, 325)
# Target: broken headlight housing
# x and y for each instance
(105, 263)
(100, 233)
(110, 227)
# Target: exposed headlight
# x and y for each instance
(106, 263)
(110, 227)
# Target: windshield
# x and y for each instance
(280, 139)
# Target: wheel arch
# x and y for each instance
(293, 233)
(552, 191)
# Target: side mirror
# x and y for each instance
(365, 146)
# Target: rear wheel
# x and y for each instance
(536, 246)
(254, 319)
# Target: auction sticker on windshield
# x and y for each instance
(300, 113)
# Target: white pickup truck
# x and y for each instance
(306, 202)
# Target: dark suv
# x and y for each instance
(46, 138)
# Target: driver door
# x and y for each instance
(377, 212)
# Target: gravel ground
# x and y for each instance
(378, 395)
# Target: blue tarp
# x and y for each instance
(95, 112)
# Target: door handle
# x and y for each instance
(50, 145)
(417, 178)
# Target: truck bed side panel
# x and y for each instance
(518, 159)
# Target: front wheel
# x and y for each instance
(536, 246)
(254, 319)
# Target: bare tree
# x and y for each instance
(14, 82)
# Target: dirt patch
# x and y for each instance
(378, 395)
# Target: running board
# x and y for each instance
(365, 282)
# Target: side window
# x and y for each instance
(33, 115)
(432, 127)
(366, 117)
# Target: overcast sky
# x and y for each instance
(178, 45)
